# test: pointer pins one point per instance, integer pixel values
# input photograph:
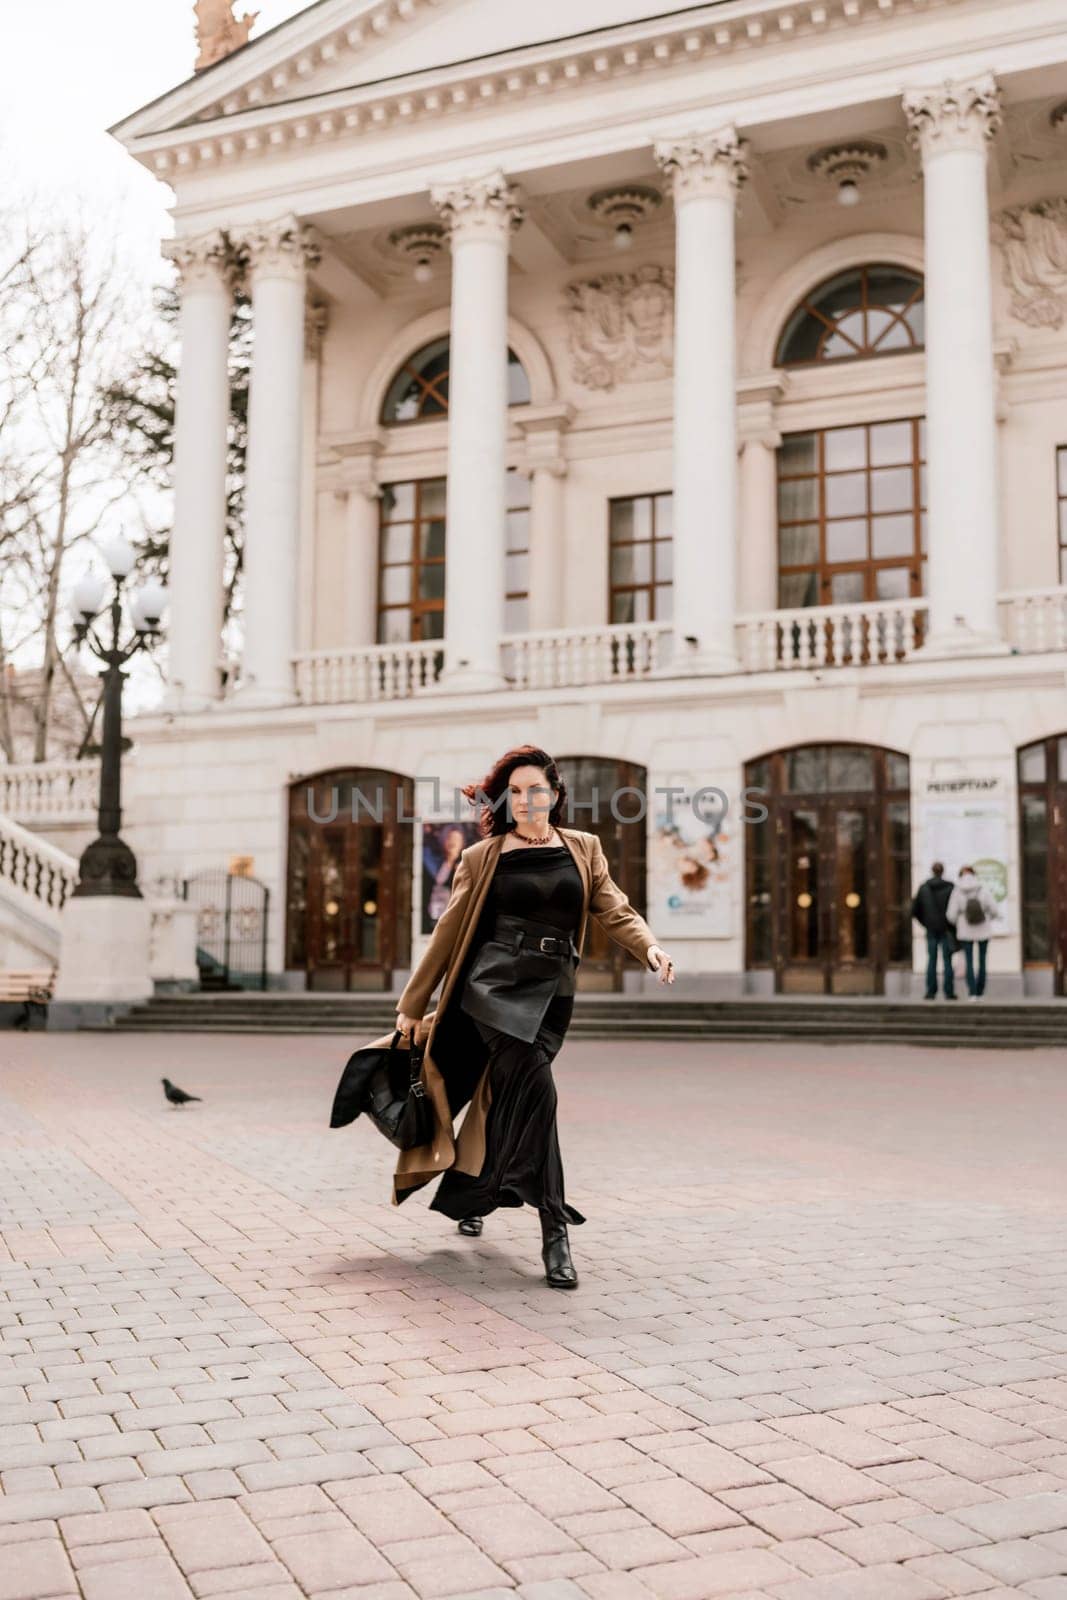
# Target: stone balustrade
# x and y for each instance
(871, 633)
(1035, 620)
(35, 793)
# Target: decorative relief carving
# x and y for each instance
(1034, 241)
(953, 115)
(621, 325)
(479, 205)
(218, 32)
(316, 321)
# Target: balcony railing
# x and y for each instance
(35, 793)
(372, 672)
(561, 658)
(871, 633)
(1034, 620)
(866, 634)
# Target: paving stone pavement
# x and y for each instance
(819, 1350)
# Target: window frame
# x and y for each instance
(444, 378)
(415, 606)
(823, 570)
(869, 352)
(653, 541)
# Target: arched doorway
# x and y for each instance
(828, 873)
(348, 888)
(1043, 853)
(591, 782)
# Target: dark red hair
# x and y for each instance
(493, 817)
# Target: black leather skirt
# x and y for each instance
(515, 972)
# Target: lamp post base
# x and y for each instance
(107, 867)
(104, 950)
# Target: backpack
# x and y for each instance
(972, 911)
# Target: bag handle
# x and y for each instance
(415, 1053)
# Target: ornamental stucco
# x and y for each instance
(203, 261)
(704, 163)
(954, 115)
(1033, 240)
(487, 205)
(285, 247)
(621, 326)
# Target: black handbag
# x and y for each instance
(386, 1083)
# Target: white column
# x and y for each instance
(543, 428)
(362, 521)
(952, 125)
(758, 499)
(362, 524)
(706, 171)
(276, 256)
(481, 214)
(201, 424)
(316, 321)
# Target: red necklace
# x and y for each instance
(523, 837)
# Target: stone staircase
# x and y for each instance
(987, 1025)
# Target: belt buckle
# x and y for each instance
(547, 939)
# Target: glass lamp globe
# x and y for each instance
(88, 594)
(148, 605)
(120, 556)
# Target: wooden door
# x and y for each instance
(349, 905)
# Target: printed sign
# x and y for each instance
(441, 846)
(966, 822)
(692, 861)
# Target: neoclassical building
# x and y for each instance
(684, 390)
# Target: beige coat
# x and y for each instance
(444, 955)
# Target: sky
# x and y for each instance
(69, 69)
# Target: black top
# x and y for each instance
(542, 883)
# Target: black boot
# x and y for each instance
(556, 1254)
(471, 1226)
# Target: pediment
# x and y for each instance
(337, 44)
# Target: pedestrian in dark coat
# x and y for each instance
(930, 910)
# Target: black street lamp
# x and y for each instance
(108, 866)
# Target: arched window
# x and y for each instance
(420, 388)
(866, 311)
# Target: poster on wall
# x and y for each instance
(441, 846)
(966, 821)
(692, 862)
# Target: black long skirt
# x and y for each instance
(522, 1163)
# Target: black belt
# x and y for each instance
(530, 932)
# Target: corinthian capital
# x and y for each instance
(488, 205)
(960, 115)
(204, 261)
(283, 248)
(704, 163)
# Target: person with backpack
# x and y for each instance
(972, 910)
(929, 909)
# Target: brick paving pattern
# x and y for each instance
(819, 1351)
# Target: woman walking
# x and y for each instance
(508, 945)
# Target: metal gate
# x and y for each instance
(231, 928)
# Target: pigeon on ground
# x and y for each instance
(176, 1096)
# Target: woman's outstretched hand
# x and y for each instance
(661, 963)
